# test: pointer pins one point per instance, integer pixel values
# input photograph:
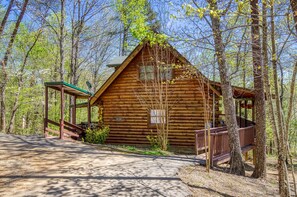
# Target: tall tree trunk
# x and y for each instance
(260, 165)
(294, 9)
(266, 75)
(61, 40)
(4, 20)
(237, 165)
(284, 186)
(4, 63)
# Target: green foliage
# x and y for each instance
(97, 136)
(154, 142)
(152, 151)
(138, 17)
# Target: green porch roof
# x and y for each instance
(69, 89)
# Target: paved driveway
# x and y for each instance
(34, 166)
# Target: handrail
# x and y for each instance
(52, 122)
(73, 125)
(219, 145)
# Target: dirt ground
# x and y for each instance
(218, 182)
(34, 166)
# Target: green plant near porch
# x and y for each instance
(97, 136)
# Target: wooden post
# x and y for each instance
(62, 114)
(89, 113)
(240, 114)
(253, 111)
(236, 107)
(246, 156)
(210, 149)
(73, 121)
(213, 110)
(245, 113)
(46, 111)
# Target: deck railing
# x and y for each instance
(69, 130)
(219, 142)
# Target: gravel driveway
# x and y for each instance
(34, 166)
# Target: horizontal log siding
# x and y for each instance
(128, 119)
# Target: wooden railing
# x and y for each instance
(69, 129)
(219, 145)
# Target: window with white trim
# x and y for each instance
(157, 116)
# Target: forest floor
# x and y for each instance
(218, 182)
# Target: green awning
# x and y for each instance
(69, 89)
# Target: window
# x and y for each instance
(146, 73)
(166, 72)
(157, 116)
(150, 72)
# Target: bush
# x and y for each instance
(154, 142)
(97, 136)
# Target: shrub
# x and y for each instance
(97, 136)
(153, 141)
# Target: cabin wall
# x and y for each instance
(128, 118)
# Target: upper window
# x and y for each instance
(166, 72)
(150, 72)
(146, 73)
(157, 116)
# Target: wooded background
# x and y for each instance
(72, 40)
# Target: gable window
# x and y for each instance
(157, 116)
(146, 73)
(150, 72)
(166, 72)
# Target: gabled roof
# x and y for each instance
(126, 62)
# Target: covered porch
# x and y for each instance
(215, 140)
(67, 129)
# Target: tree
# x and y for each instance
(20, 83)
(237, 165)
(4, 62)
(138, 19)
(4, 20)
(260, 165)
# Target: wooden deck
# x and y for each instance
(219, 145)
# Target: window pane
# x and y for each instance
(154, 120)
(146, 73)
(157, 116)
(166, 72)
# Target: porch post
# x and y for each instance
(46, 111)
(236, 107)
(239, 113)
(89, 113)
(245, 113)
(62, 114)
(253, 111)
(73, 121)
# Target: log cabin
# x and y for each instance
(156, 86)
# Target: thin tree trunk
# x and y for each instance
(284, 186)
(237, 165)
(4, 20)
(266, 75)
(4, 64)
(61, 40)
(260, 165)
(294, 9)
